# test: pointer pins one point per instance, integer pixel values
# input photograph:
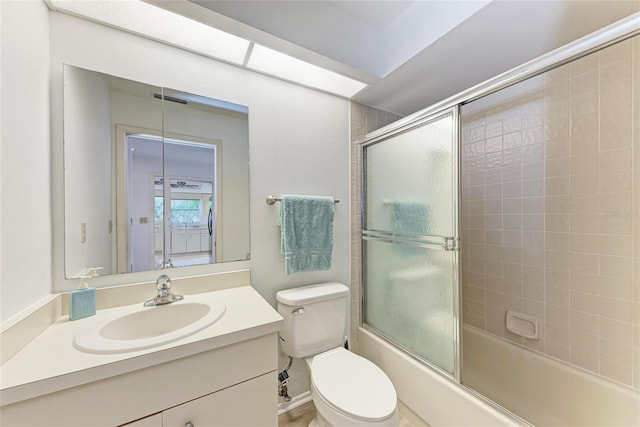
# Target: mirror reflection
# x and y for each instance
(154, 177)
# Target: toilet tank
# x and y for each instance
(314, 318)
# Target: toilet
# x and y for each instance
(347, 389)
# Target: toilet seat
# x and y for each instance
(338, 375)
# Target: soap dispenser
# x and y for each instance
(82, 301)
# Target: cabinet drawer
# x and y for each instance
(251, 403)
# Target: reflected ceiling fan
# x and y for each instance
(184, 184)
(177, 183)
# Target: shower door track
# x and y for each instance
(614, 33)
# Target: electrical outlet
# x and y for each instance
(83, 232)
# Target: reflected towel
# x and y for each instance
(306, 225)
(410, 217)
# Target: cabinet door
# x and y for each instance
(251, 403)
(205, 240)
(178, 241)
(193, 241)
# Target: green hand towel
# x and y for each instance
(410, 217)
(306, 225)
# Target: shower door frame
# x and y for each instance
(607, 36)
(390, 237)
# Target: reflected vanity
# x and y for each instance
(154, 177)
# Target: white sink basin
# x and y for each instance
(141, 327)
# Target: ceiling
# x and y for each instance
(415, 53)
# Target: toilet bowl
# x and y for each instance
(347, 389)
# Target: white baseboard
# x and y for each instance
(296, 401)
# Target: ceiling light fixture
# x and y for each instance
(156, 23)
(289, 68)
(159, 24)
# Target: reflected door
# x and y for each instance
(410, 239)
(140, 245)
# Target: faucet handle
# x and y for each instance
(163, 284)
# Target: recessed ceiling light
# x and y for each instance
(160, 24)
(287, 67)
(156, 23)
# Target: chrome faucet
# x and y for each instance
(163, 284)
(166, 264)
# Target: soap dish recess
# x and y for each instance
(523, 325)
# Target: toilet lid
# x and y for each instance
(339, 375)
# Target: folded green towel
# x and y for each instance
(306, 225)
(410, 217)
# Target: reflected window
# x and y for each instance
(185, 211)
(158, 209)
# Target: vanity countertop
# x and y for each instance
(51, 363)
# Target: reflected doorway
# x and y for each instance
(190, 214)
(172, 203)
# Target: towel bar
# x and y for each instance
(273, 199)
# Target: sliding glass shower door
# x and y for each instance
(410, 237)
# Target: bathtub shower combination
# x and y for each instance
(501, 235)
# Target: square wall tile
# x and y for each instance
(566, 243)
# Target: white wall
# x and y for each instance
(25, 173)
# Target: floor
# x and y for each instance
(302, 416)
(298, 417)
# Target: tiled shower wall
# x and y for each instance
(363, 120)
(551, 211)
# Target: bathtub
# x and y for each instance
(539, 389)
(542, 390)
(432, 397)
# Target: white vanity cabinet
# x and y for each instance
(178, 241)
(193, 240)
(223, 408)
(189, 240)
(205, 240)
(234, 385)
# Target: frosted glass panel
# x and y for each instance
(410, 181)
(409, 298)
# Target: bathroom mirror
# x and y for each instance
(154, 177)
